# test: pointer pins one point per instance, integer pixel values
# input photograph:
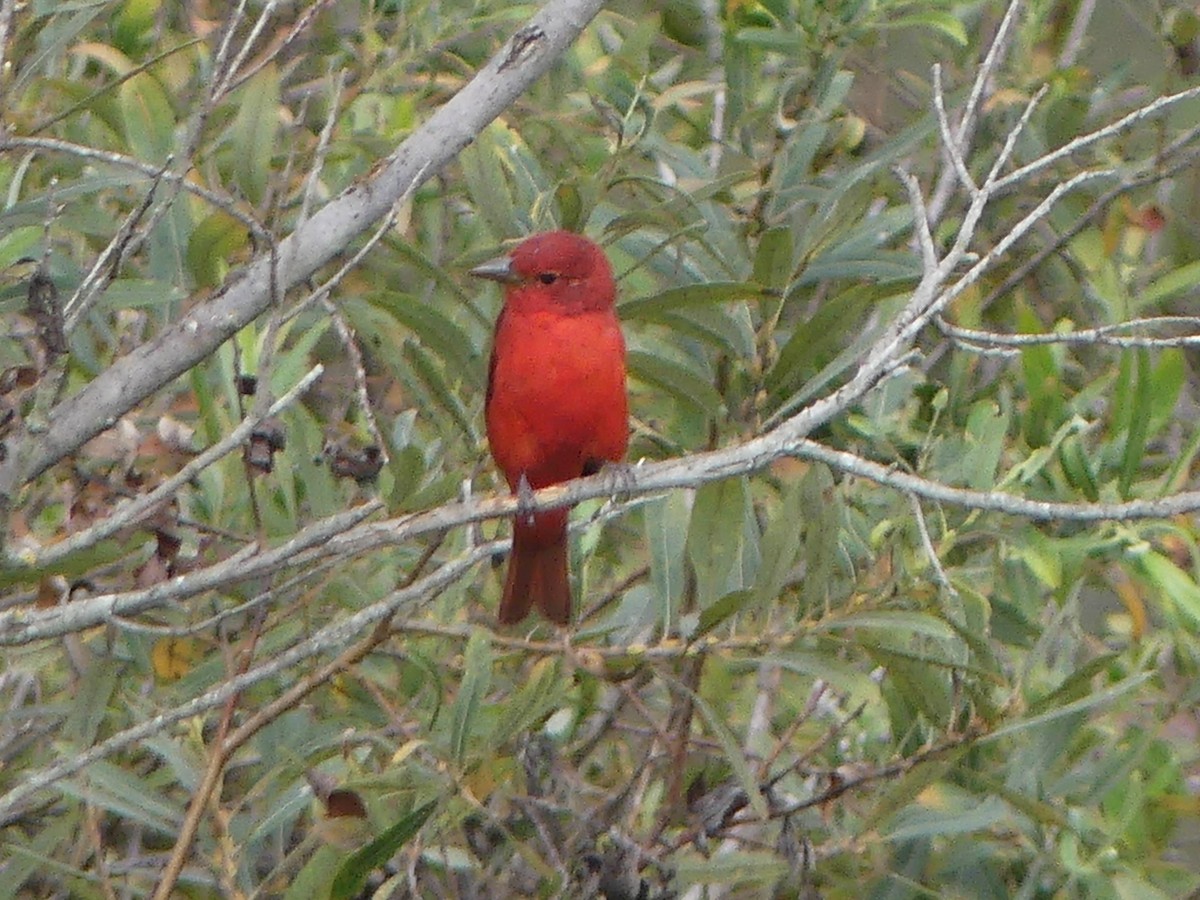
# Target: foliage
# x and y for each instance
(794, 682)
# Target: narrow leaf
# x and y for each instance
(714, 537)
(675, 380)
(674, 299)
(353, 873)
(477, 677)
(254, 133)
(148, 118)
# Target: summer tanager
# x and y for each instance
(556, 406)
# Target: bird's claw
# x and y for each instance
(525, 501)
(618, 479)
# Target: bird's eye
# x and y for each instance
(548, 277)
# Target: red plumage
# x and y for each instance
(556, 403)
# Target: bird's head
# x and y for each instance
(557, 269)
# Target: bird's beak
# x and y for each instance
(499, 269)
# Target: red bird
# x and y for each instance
(556, 405)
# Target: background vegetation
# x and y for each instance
(865, 656)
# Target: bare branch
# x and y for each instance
(347, 535)
(105, 268)
(1010, 143)
(1156, 106)
(318, 164)
(1079, 26)
(1106, 335)
(999, 46)
(247, 45)
(929, 257)
(949, 141)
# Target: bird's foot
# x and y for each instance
(525, 501)
(619, 479)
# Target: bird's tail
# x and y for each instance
(537, 570)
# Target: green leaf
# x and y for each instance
(714, 539)
(943, 22)
(891, 622)
(539, 694)
(472, 690)
(987, 425)
(125, 795)
(438, 332)
(1138, 419)
(570, 206)
(353, 873)
(715, 613)
(880, 266)
(773, 259)
(789, 43)
(1077, 466)
(678, 298)
(216, 238)
(666, 537)
(315, 879)
(923, 687)
(728, 329)
(1076, 685)
(488, 184)
(780, 544)
(821, 510)
(134, 19)
(148, 118)
(255, 133)
(130, 293)
(91, 702)
(53, 40)
(433, 378)
(827, 665)
(1091, 701)
(1042, 381)
(20, 243)
(730, 869)
(1173, 584)
(675, 380)
(734, 756)
(1178, 281)
(922, 822)
(793, 167)
(815, 342)
(1169, 377)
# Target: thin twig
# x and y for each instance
(109, 157)
(1074, 42)
(323, 142)
(108, 262)
(927, 544)
(362, 395)
(1044, 162)
(247, 45)
(7, 10)
(949, 141)
(1105, 335)
(132, 511)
